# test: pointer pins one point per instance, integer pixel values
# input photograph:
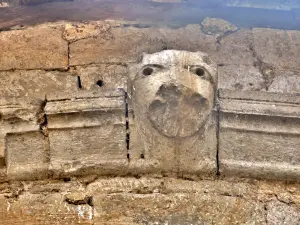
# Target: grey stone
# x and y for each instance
(239, 77)
(278, 48)
(235, 49)
(33, 48)
(280, 213)
(285, 82)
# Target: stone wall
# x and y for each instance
(47, 69)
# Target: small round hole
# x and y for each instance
(147, 71)
(199, 72)
(100, 83)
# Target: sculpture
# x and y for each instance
(172, 97)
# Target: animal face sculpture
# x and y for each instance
(174, 91)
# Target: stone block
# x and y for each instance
(285, 82)
(25, 147)
(279, 48)
(281, 213)
(45, 209)
(127, 45)
(235, 49)
(27, 156)
(173, 129)
(38, 47)
(259, 135)
(105, 76)
(240, 77)
(36, 83)
(194, 39)
(87, 133)
(178, 208)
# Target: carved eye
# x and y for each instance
(199, 72)
(150, 69)
(147, 71)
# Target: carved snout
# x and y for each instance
(178, 111)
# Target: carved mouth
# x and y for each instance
(178, 111)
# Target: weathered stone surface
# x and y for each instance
(173, 115)
(45, 209)
(36, 83)
(33, 48)
(277, 47)
(77, 31)
(280, 213)
(194, 39)
(234, 77)
(285, 82)
(87, 133)
(259, 135)
(235, 49)
(177, 208)
(216, 26)
(129, 43)
(18, 115)
(26, 156)
(102, 76)
(127, 185)
(150, 201)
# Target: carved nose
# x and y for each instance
(178, 111)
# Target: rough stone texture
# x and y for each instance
(285, 82)
(77, 31)
(234, 77)
(277, 47)
(235, 49)
(150, 201)
(128, 44)
(280, 213)
(195, 39)
(175, 209)
(27, 156)
(36, 83)
(110, 76)
(259, 135)
(87, 134)
(172, 94)
(44, 209)
(216, 26)
(19, 116)
(33, 48)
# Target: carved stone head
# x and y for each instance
(174, 91)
